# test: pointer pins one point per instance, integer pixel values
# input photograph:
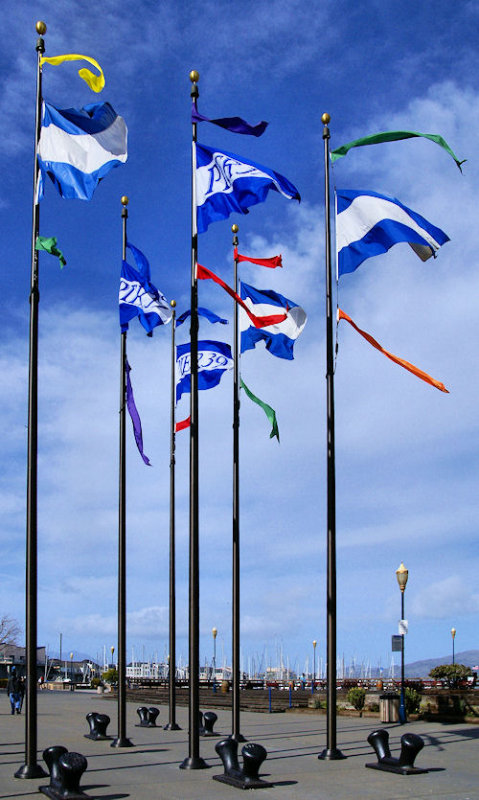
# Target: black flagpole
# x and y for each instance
(122, 739)
(31, 769)
(194, 761)
(172, 724)
(236, 735)
(331, 752)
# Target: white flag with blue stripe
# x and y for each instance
(368, 224)
(79, 146)
(226, 183)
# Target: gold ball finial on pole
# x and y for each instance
(326, 119)
(235, 228)
(194, 76)
(41, 27)
(173, 303)
(124, 200)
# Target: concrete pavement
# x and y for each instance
(150, 769)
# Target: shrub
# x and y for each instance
(356, 696)
(373, 707)
(95, 683)
(412, 700)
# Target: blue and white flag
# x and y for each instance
(138, 297)
(226, 183)
(368, 224)
(214, 358)
(202, 312)
(78, 147)
(280, 338)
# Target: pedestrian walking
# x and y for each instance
(21, 686)
(13, 691)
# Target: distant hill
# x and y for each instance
(421, 669)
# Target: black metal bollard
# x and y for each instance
(51, 757)
(66, 770)
(209, 718)
(246, 777)
(142, 712)
(227, 750)
(411, 744)
(147, 716)
(379, 741)
(200, 723)
(153, 715)
(98, 724)
(253, 757)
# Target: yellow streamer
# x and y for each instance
(95, 82)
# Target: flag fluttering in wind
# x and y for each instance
(393, 136)
(214, 358)
(95, 82)
(79, 146)
(402, 363)
(226, 183)
(368, 224)
(202, 273)
(183, 424)
(275, 261)
(232, 124)
(135, 417)
(202, 312)
(49, 244)
(138, 297)
(270, 412)
(279, 338)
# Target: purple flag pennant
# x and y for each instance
(135, 417)
(233, 124)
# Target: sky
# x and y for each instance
(406, 455)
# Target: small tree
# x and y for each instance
(356, 696)
(451, 674)
(110, 676)
(9, 630)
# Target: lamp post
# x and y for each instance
(314, 666)
(112, 650)
(71, 672)
(402, 576)
(453, 634)
(215, 634)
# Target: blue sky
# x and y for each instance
(407, 463)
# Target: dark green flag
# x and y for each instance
(49, 243)
(270, 412)
(392, 136)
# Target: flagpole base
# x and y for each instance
(331, 754)
(122, 741)
(31, 771)
(171, 726)
(194, 763)
(237, 737)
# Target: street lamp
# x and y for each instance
(453, 634)
(314, 666)
(71, 672)
(112, 650)
(402, 576)
(215, 634)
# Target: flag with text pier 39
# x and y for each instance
(227, 183)
(214, 359)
